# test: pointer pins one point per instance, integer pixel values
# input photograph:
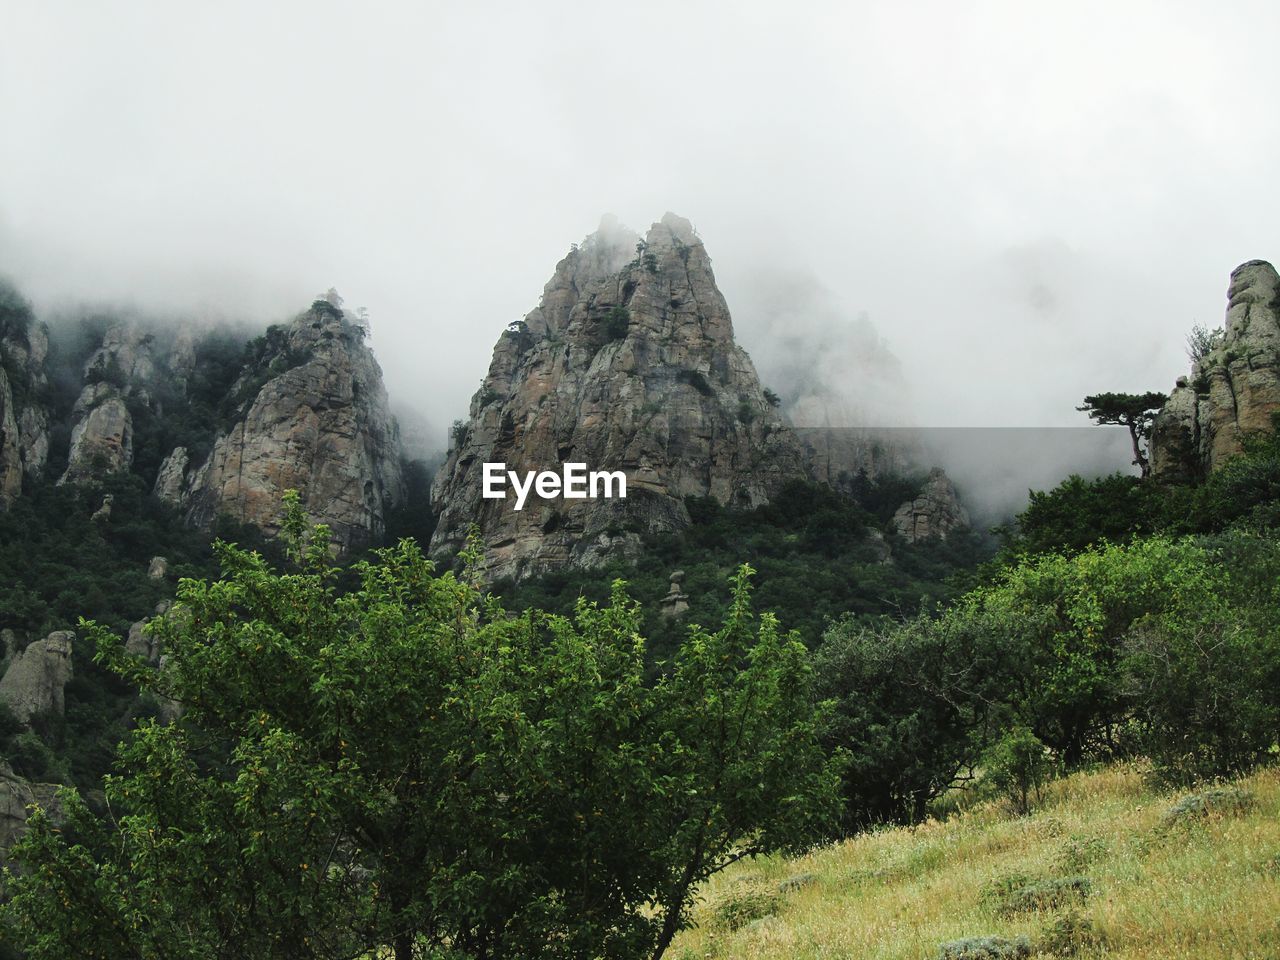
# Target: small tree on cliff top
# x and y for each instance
(1136, 411)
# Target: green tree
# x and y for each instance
(406, 767)
(1136, 411)
(1018, 765)
(913, 703)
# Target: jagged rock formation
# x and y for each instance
(934, 514)
(628, 363)
(1233, 390)
(314, 418)
(24, 423)
(172, 477)
(102, 431)
(37, 675)
(308, 411)
(102, 438)
(16, 795)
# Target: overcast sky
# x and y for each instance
(1028, 201)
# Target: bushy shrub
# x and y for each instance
(616, 323)
(911, 704)
(1222, 801)
(744, 902)
(985, 948)
(1019, 893)
(1068, 934)
(1018, 766)
(1078, 852)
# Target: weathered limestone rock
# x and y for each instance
(24, 423)
(102, 438)
(315, 420)
(37, 675)
(10, 445)
(1232, 391)
(676, 602)
(935, 514)
(103, 513)
(171, 480)
(158, 569)
(124, 357)
(628, 363)
(141, 643)
(16, 797)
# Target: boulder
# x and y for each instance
(36, 676)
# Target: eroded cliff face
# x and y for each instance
(122, 367)
(24, 421)
(314, 418)
(628, 363)
(1233, 390)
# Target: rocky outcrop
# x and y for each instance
(10, 450)
(935, 514)
(171, 481)
(102, 438)
(17, 796)
(36, 676)
(120, 369)
(24, 423)
(313, 418)
(1233, 390)
(628, 363)
(140, 642)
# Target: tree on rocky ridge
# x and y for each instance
(1136, 411)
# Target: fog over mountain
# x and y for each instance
(929, 214)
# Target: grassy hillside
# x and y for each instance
(1104, 867)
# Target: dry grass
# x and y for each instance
(1204, 886)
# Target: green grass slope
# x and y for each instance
(1106, 866)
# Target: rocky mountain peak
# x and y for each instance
(627, 363)
(314, 417)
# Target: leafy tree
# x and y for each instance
(913, 704)
(1136, 411)
(407, 767)
(1018, 765)
(1205, 685)
(1079, 513)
